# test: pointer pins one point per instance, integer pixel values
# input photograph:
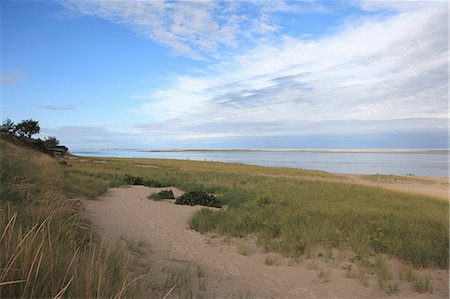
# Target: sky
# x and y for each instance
(228, 74)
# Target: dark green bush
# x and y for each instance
(164, 194)
(198, 198)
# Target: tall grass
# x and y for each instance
(293, 210)
(47, 249)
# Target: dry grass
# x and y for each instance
(271, 259)
(324, 275)
(243, 249)
(47, 249)
(385, 276)
(395, 179)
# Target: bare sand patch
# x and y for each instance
(126, 212)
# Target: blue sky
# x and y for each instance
(265, 74)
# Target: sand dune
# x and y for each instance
(126, 212)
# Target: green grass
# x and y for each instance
(420, 282)
(293, 211)
(385, 276)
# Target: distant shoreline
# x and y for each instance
(402, 151)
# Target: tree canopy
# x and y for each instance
(27, 128)
(8, 127)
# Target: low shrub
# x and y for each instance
(164, 194)
(198, 198)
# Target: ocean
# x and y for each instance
(419, 164)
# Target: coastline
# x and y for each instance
(402, 151)
(434, 186)
(171, 150)
(342, 162)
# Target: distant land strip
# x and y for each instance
(402, 151)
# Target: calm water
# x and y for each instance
(423, 164)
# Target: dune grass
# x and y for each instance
(395, 179)
(293, 210)
(47, 249)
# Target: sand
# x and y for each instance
(127, 213)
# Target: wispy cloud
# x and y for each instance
(13, 77)
(197, 29)
(376, 74)
(57, 107)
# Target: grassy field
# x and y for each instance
(291, 211)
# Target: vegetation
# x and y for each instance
(137, 180)
(395, 179)
(420, 282)
(47, 249)
(22, 133)
(8, 127)
(292, 211)
(193, 198)
(324, 275)
(27, 128)
(385, 276)
(164, 194)
(243, 249)
(270, 259)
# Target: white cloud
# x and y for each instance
(192, 28)
(381, 73)
(386, 73)
(57, 107)
(397, 5)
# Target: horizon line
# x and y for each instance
(349, 150)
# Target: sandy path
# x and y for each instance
(125, 212)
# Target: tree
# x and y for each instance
(27, 128)
(8, 127)
(51, 142)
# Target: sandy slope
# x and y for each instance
(125, 212)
